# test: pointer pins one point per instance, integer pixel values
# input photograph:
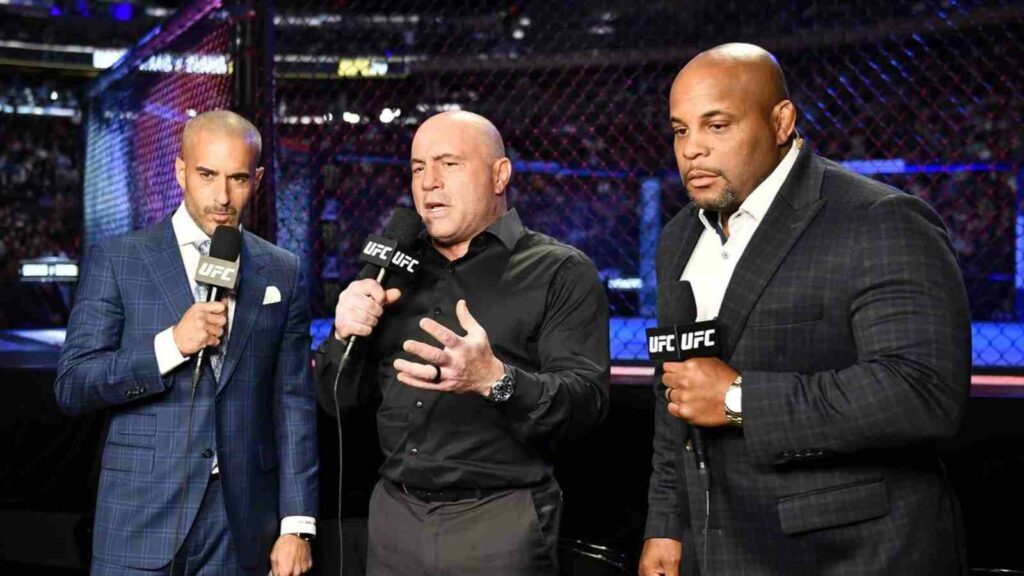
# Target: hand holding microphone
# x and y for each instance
(361, 305)
(202, 325)
(695, 389)
(695, 378)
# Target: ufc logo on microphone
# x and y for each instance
(698, 339)
(661, 343)
(377, 250)
(213, 271)
(404, 262)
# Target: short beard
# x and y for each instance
(724, 202)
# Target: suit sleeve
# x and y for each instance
(96, 368)
(911, 324)
(296, 408)
(568, 396)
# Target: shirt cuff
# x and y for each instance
(298, 525)
(167, 355)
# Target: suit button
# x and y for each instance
(419, 404)
(689, 446)
(129, 394)
(413, 451)
(142, 389)
(437, 311)
(207, 453)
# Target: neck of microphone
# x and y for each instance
(390, 252)
(346, 357)
(677, 307)
(218, 272)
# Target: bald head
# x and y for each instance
(475, 127)
(459, 176)
(222, 122)
(733, 123)
(750, 68)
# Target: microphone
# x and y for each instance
(219, 272)
(384, 254)
(679, 338)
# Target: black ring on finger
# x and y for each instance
(437, 375)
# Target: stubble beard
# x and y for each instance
(723, 202)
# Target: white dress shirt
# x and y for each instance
(713, 261)
(168, 357)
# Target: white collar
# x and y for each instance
(185, 228)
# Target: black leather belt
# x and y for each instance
(448, 494)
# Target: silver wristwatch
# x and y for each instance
(503, 388)
(734, 402)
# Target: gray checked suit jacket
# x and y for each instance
(848, 318)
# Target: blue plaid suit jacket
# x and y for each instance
(260, 418)
(848, 318)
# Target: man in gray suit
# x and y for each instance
(845, 351)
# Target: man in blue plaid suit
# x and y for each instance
(244, 497)
(846, 351)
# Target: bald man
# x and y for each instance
(220, 479)
(493, 353)
(845, 351)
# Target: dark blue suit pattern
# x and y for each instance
(259, 419)
(848, 319)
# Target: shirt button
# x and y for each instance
(207, 453)
(725, 255)
(413, 451)
(419, 404)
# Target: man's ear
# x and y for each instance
(258, 178)
(502, 171)
(784, 118)
(179, 172)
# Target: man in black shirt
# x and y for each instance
(483, 361)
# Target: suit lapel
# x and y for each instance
(795, 206)
(248, 303)
(168, 270)
(680, 255)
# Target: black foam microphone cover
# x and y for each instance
(404, 227)
(226, 243)
(676, 304)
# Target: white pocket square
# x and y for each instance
(271, 296)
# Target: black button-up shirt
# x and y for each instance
(546, 316)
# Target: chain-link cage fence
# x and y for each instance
(135, 115)
(922, 95)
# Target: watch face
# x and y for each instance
(502, 389)
(733, 399)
